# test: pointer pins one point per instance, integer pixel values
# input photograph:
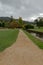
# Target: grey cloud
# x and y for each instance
(24, 8)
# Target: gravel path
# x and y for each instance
(23, 52)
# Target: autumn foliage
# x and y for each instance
(13, 25)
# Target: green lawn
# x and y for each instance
(38, 42)
(7, 38)
(38, 29)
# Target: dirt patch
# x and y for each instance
(23, 52)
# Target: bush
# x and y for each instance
(29, 26)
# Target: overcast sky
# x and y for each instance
(27, 9)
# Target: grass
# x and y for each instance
(38, 29)
(7, 38)
(38, 42)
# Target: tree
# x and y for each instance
(13, 25)
(11, 19)
(0, 24)
(20, 21)
(39, 22)
(3, 24)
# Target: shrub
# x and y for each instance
(29, 26)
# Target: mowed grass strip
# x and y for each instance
(7, 38)
(38, 29)
(38, 42)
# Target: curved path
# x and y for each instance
(22, 52)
